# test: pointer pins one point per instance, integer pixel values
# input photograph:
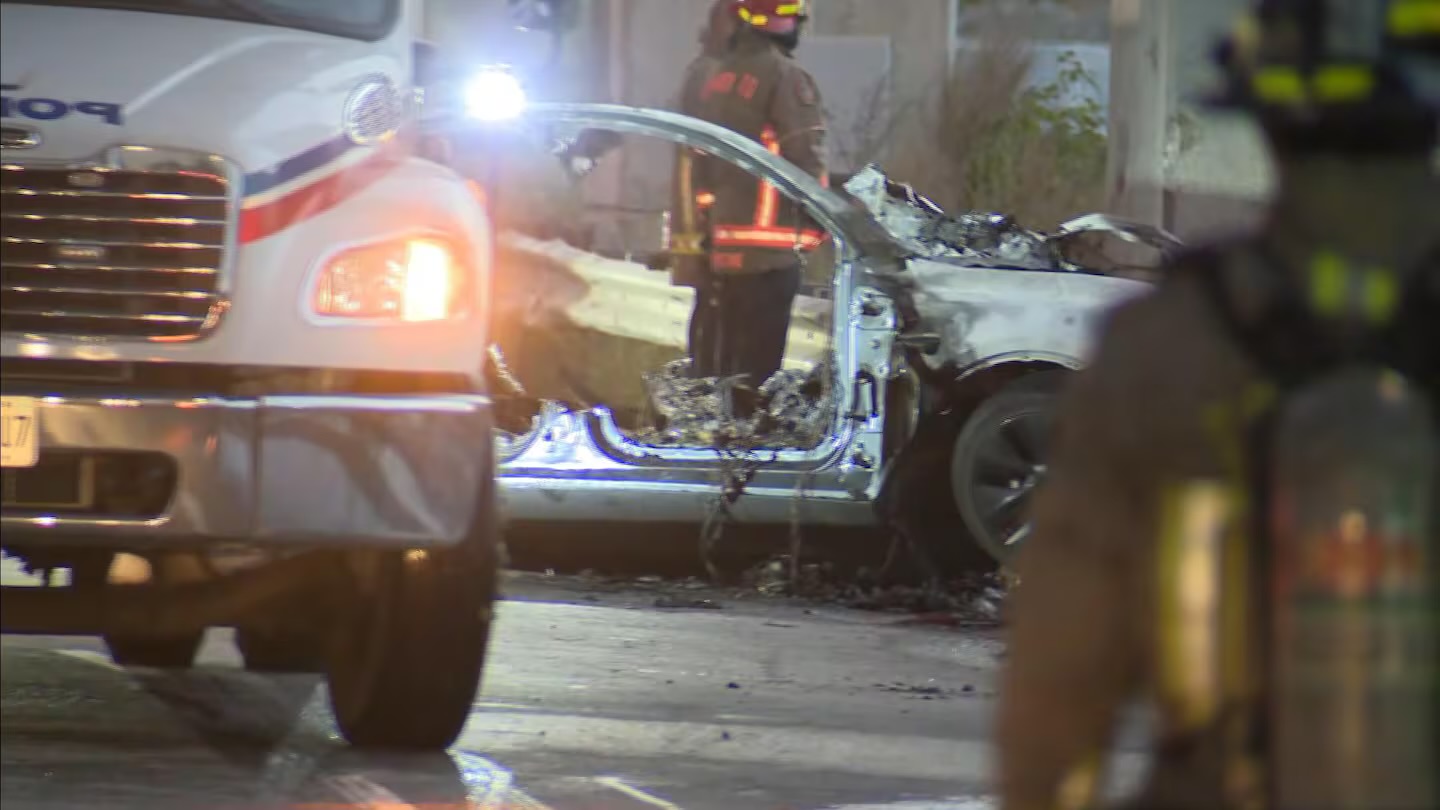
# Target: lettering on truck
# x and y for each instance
(52, 109)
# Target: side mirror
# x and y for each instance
(543, 15)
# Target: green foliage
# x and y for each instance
(998, 144)
(1042, 159)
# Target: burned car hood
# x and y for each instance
(980, 284)
(984, 239)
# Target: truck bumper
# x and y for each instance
(284, 471)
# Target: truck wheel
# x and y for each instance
(998, 461)
(272, 651)
(405, 667)
(162, 653)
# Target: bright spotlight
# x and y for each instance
(494, 95)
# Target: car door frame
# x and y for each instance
(582, 460)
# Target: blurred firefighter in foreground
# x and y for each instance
(1240, 525)
(757, 242)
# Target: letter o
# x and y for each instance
(43, 109)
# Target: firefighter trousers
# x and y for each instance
(741, 323)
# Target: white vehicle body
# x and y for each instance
(179, 181)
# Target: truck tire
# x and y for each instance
(406, 662)
(273, 651)
(161, 653)
(999, 459)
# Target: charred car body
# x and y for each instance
(928, 402)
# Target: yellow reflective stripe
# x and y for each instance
(687, 244)
(1197, 517)
(1332, 83)
(783, 10)
(1279, 85)
(1330, 287)
(751, 17)
(1382, 295)
(1344, 83)
(1328, 279)
(1414, 18)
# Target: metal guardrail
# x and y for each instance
(632, 301)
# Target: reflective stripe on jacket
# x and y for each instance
(761, 92)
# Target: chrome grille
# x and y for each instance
(111, 252)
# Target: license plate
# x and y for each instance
(19, 432)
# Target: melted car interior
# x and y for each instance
(588, 315)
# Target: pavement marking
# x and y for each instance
(617, 784)
(491, 786)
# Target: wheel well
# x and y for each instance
(916, 497)
(961, 397)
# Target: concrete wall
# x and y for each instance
(920, 34)
(1216, 171)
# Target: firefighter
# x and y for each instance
(757, 245)
(1345, 92)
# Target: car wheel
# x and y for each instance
(406, 661)
(999, 460)
(280, 651)
(177, 652)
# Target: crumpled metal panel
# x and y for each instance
(922, 227)
(793, 410)
(991, 290)
(979, 239)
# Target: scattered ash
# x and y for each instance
(974, 601)
(928, 691)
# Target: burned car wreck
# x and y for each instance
(925, 354)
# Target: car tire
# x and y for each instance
(999, 459)
(281, 651)
(176, 652)
(410, 648)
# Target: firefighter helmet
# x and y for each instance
(780, 17)
(1352, 74)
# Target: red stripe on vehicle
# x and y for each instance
(268, 219)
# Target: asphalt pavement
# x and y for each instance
(591, 701)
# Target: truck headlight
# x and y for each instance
(409, 280)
